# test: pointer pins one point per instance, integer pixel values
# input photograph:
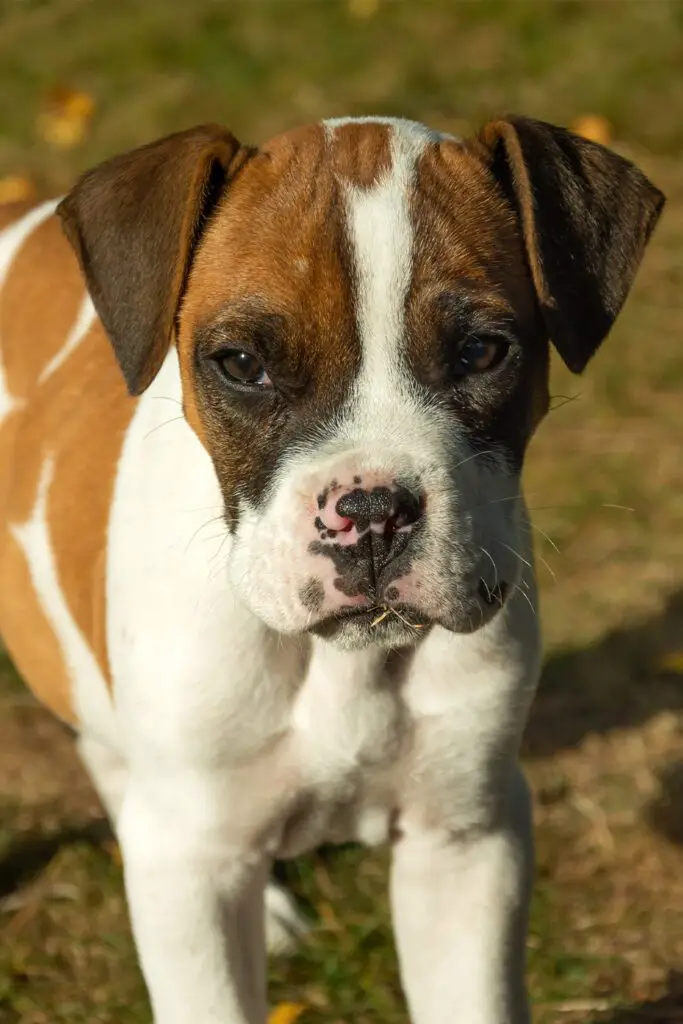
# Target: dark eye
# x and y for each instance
(243, 367)
(479, 354)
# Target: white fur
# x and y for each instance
(382, 236)
(90, 694)
(414, 131)
(84, 321)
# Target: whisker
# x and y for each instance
(167, 398)
(526, 598)
(221, 546)
(493, 501)
(209, 522)
(516, 554)
(174, 419)
(563, 400)
(543, 534)
(470, 458)
(543, 562)
(495, 567)
(205, 508)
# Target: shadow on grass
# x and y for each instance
(665, 812)
(29, 853)
(667, 1010)
(615, 683)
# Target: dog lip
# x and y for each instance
(373, 616)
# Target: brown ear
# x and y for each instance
(134, 222)
(586, 217)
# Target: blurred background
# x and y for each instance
(83, 79)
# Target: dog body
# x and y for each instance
(264, 544)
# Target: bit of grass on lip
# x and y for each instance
(385, 610)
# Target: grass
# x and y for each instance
(605, 480)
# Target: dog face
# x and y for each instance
(362, 312)
(379, 355)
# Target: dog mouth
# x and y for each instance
(400, 625)
(378, 624)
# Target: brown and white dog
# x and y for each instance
(285, 595)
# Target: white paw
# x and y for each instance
(284, 924)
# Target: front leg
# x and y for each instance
(460, 906)
(196, 905)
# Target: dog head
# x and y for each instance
(362, 311)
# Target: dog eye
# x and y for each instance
(479, 354)
(244, 368)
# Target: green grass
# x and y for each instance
(264, 65)
(603, 746)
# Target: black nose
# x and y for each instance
(393, 508)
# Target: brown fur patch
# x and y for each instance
(85, 463)
(31, 334)
(76, 417)
(28, 635)
(470, 268)
(361, 153)
(11, 212)
(466, 232)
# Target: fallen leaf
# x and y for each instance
(672, 663)
(113, 851)
(286, 1013)
(65, 118)
(328, 917)
(593, 127)
(363, 9)
(15, 189)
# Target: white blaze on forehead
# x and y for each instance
(381, 235)
(381, 232)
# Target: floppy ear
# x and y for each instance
(134, 222)
(586, 216)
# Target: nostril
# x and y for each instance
(408, 508)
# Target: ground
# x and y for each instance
(604, 748)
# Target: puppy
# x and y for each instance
(263, 415)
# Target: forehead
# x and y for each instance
(316, 209)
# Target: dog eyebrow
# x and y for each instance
(470, 297)
(470, 309)
(246, 320)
